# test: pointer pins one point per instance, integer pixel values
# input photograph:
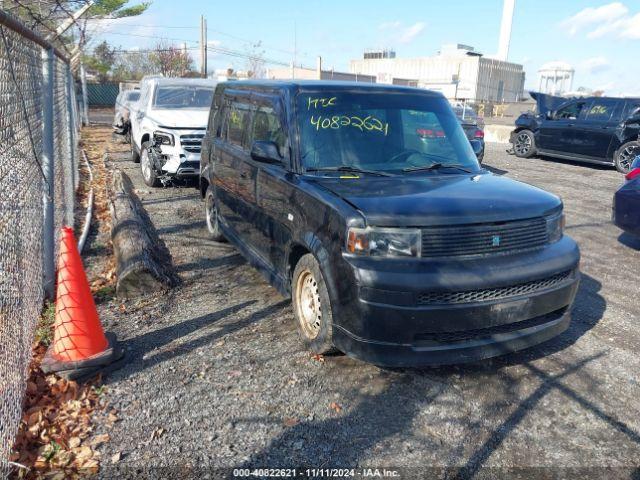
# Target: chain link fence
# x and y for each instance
(38, 178)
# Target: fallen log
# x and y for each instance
(143, 262)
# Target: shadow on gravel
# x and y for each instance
(590, 166)
(629, 241)
(495, 170)
(343, 441)
(205, 264)
(139, 346)
(171, 199)
(181, 227)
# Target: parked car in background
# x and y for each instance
(167, 128)
(601, 130)
(626, 201)
(472, 125)
(395, 247)
(121, 119)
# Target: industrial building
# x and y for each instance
(457, 71)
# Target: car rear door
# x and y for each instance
(234, 173)
(596, 128)
(557, 133)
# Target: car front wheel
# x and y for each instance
(311, 306)
(524, 145)
(625, 156)
(147, 168)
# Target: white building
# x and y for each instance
(458, 71)
(555, 78)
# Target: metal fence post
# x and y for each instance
(85, 96)
(49, 172)
(70, 128)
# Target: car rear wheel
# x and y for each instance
(211, 213)
(146, 166)
(625, 156)
(311, 306)
(524, 145)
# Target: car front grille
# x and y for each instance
(482, 333)
(192, 143)
(489, 294)
(484, 239)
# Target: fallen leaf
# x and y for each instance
(115, 458)
(157, 433)
(74, 442)
(317, 357)
(334, 406)
(100, 439)
(290, 422)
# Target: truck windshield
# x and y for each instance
(183, 97)
(383, 132)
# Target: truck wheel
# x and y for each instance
(311, 306)
(146, 166)
(524, 145)
(135, 157)
(211, 214)
(625, 155)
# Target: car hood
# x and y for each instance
(180, 117)
(446, 199)
(547, 103)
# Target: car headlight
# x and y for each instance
(555, 227)
(163, 138)
(387, 242)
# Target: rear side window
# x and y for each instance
(631, 108)
(237, 121)
(267, 128)
(601, 110)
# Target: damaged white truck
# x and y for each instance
(167, 127)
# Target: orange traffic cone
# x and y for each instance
(80, 347)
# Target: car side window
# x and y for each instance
(220, 116)
(570, 112)
(237, 121)
(601, 110)
(268, 128)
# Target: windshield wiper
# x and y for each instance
(345, 168)
(437, 166)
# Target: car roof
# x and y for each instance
(329, 85)
(168, 81)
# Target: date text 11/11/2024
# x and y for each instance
(312, 473)
(335, 122)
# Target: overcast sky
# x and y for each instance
(600, 39)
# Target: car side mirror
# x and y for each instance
(477, 146)
(550, 116)
(264, 151)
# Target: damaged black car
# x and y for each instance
(601, 130)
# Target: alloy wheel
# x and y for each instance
(627, 156)
(308, 304)
(212, 214)
(523, 144)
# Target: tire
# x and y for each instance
(211, 216)
(311, 306)
(135, 156)
(146, 167)
(524, 145)
(624, 156)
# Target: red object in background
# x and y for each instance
(633, 174)
(479, 134)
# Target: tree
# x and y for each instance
(132, 66)
(171, 61)
(101, 60)
(255, 63)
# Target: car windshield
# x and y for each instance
(381, 132)
(183, 97)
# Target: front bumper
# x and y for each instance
(626, 208)
(401, 319)
(179, 160)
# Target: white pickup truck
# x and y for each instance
(167, 126)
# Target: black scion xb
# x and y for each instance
(396, 248)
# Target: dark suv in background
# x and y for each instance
(396, 248)
(600, 130)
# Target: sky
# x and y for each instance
(600, 39)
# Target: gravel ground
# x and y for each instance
(217, 378)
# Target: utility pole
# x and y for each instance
(203, 46)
